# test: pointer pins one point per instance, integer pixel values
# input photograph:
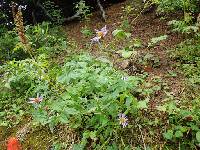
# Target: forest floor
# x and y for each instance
(145, 27)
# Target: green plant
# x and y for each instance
(86, 31)
(121, 34)
(127, 10)
(46, 39)
(127, 52)
(187, 55)
(24, 76)
(183, 27)
(155, 40)
(83, 10)
(184, 124)
(188, 7)
(171, 6)
(54, 12)
(10, 48)
(93, 94)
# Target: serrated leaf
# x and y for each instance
(168, 135)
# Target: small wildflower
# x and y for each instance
(99, 35)
(95, 39)
(123, 120)
(102, 33)
(13, 144)
(36, 100)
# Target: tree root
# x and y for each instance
(75, 16)
(102, 10)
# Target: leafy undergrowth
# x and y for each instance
(118, 93)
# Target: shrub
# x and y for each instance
(188, 54)
(9, 48)
(92, 96)
(46, 39)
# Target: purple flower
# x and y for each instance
(99, 34)
(123, 120)
(36, 100)
(95, 40)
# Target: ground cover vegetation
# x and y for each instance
(121, 83)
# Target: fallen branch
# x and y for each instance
(77, 15)
(102, 10)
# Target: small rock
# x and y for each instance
(124, 64)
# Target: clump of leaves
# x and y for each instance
(156, 40)
(9, 48)
(19, 80)
(86, 31)
(188, 55)
(46, 39)
(24, 76)
(93, 94)
(121, 34)
(184, 124)
(183, 27)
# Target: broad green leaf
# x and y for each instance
(7, 85)
(142, 104)
(178, 134)
(168, 135)
(121, 34)
(127, 54)
(118, 32)
(155, 40)
(103, 120)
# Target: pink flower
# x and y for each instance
(36, 100)
(123, 120)
(99, 34)
(102, 33)
(95, 40)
